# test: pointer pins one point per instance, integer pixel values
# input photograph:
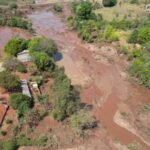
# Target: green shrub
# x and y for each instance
(140, 69)
(65, 97)
(15, 45)
(109, 3)
(83, 9)
(86, 31)
(110, 35)
(13, 6)
(82, 121)
(58, 7)
(9, 81)
(135, 54)
(140, 35)
(42, 61)
(19, 22)
(9, 145)
(20, 102)
(124, 24)
(42, 44)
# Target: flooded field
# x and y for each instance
(101, 80)
(99, 71)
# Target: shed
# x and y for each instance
(24, 56)
(25, 88)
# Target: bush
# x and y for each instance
(58, 7)
(109, 3)
(87, 30)
(9, 145)
(83, 9)
(43, 61)
(109, 35)
(42, 44)
(82, 121)
(13, 6)
(140, 35)
(140, 69)
(124, 24)
(65, 97)
(20, 23)
(15, 45)
(12, 64)
(9, 81)
(20, 102)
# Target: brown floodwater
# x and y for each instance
(103, 86)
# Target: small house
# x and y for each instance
(25, 88)
(24, 56)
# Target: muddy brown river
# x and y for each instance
(102, 85)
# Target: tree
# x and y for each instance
(65, 97)
(42, 61)
(109, 3)
(9, 81)
(15, 45)
(20, 102)
(58, 7)
(84, 10)
(42, 44)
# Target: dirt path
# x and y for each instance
(98, 71)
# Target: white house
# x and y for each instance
(24, 56)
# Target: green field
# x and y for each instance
(7, 2)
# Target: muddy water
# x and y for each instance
(7, 33)
(103, 86)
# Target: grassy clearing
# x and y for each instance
(121, 11)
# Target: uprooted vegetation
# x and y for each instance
(60, 101)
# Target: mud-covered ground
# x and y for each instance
(105, 85)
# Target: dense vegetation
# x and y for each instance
(9, 81)
(42, 44)
(91, 27)
(20, 102)
(42, 61)
(65, 97)
(15, 45)
(22, 140)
